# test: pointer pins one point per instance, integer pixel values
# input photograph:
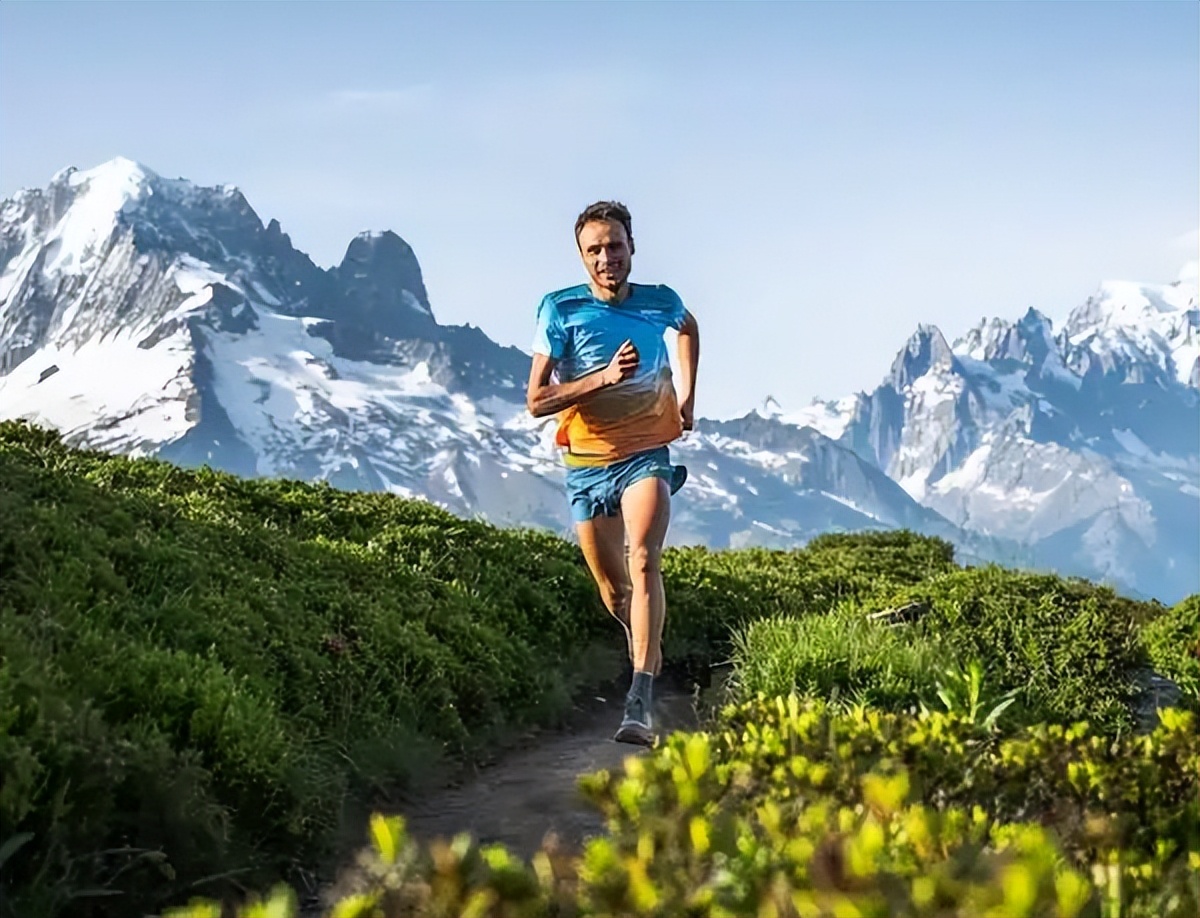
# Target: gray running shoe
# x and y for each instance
(635, 727)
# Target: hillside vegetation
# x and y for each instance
(207, 681)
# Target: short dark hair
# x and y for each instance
(606, 210)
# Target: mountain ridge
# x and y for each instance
(1066, 448)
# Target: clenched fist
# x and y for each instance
(623, 364)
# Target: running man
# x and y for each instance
(600, 364)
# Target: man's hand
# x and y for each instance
(545, 398)
(687, 413)
(623, 364)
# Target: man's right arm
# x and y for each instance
(544, 398)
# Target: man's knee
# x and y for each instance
(644, 559)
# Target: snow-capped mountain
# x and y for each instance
(151, 316)
(1083, 445)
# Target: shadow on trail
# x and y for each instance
(531, 790)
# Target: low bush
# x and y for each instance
(1139, 793)
(691, 817)
(1066, 649)
(1172, 643)
(790, 809)
(200, 674)
(205, 679)
(1071, 648)
(713, 594)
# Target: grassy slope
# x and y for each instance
(215, 668)
(198, 671)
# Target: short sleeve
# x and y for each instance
(549, 337)
(674, 312)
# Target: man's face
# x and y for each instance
(604, 246)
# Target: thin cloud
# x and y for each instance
(1188, 240)
(408, 98)
(1190, 243)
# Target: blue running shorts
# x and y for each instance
(596, 490)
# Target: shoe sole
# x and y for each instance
(635, 735)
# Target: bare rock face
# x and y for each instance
(1155, 692)
(380, 287)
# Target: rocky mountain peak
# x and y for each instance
(1028, 340)
(155, 316)
(382, 287)
(120, 172)
(1135, 331)
(1131, 306)
(1036, 322)
(926, 350)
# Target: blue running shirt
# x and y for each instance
(582, 334)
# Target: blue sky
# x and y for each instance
(814, 178)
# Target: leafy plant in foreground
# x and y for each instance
(962, 692)
(893, 858)
(791, 809)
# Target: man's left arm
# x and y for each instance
(689, 359)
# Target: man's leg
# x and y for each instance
(646, 507)
(602, 539)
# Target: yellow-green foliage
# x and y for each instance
(892, 858)
(788, 809)
(1132, 803)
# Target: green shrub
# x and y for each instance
(790, 809)
(1071, 648)
(1068, 649)
(710, 595)
(1172, 643)
(1125, 811)
(892, 859)
(201, 674)
(1143, 789)
(205, 674)
(205, 680)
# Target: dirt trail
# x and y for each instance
(530, 791)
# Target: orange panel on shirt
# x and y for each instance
(624, 420)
